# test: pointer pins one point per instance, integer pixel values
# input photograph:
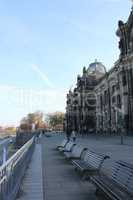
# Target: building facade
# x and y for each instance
(103, 101)
(81, 102)
(114, 93)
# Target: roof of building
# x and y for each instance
(96, 68)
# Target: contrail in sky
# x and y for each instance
(42, 76)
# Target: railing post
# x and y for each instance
(4, 154)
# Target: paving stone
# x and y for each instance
(32, 185)
(61, 182)
(51, 177)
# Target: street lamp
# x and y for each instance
(120, 114)
(109, 97)
(120, 122)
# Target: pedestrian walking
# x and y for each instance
(68, 134)
(73, 135)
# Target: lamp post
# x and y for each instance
(109, 97)
(120, 115)
(120, 122)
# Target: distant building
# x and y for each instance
(81, 102)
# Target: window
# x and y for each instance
(119, 101)
(106, 97)
(113, 89)
(124, 80)
(113, 99)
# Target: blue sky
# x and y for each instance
(45, 43)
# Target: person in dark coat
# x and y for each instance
(68, 134)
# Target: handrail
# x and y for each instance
(3, 148)
(12, 172)
(5, 142)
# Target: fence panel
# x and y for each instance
(12, 172)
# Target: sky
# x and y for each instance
(44, 45)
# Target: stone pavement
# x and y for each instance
(106, 144)
(61, 182)
(110, 146)
(51, 177)
(32, 185)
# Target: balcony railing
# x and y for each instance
(12, 172)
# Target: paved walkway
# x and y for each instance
(51, 177)
(32, 186)
(110, 146)
(61, 182)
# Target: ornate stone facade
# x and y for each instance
(81, 102)
(104, 100)
(114, 93)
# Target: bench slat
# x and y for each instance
(109, 187)
(90, 162)
(63, 144)
(68, 147)
(119, 186)
(75, 153)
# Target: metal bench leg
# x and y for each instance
(100, 195)
(84, 176)
(97, 192)
(76, 169)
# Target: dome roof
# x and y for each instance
(96, 68)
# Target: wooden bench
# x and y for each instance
(68, 147)
(90, 164)
(119, 186)
(63, 144)
(76, 152)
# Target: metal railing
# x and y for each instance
(12, 172)
(4, 149)
(5, 142)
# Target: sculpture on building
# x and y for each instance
(122, 33)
